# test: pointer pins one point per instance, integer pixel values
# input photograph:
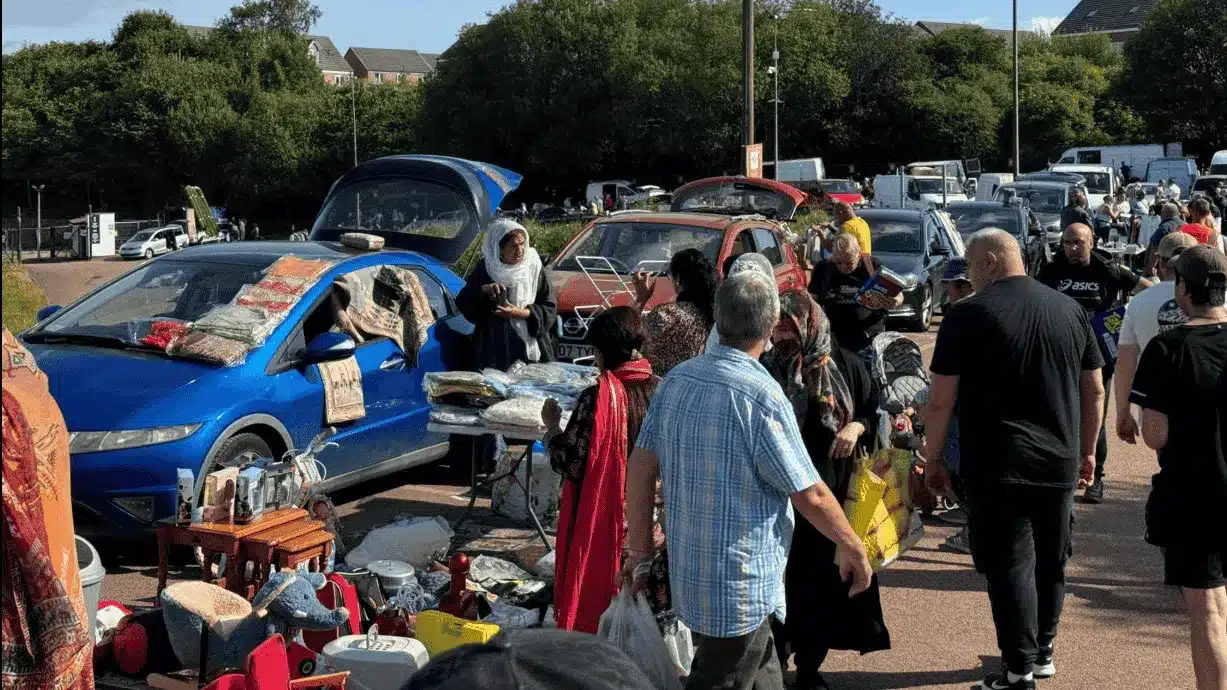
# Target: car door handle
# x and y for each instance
(393, 363)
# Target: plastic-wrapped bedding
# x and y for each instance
(443, 383)
(209, 347)
(547, 373)
(518, 413)
(243, 324)
(454, 415)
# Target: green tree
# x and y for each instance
(286, 16)
(1176, 73)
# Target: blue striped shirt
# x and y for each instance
(730, 456)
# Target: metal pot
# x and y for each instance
(391, 574)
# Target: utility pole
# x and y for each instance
(1017, 161)
(747, 66)
(38, 232)
(353, 113)
(775, 78)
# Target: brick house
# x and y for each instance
(391, 65)
(332, 64)
(925, 29)
(1117, 18)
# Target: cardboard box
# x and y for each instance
(219, 495)
(249, 495)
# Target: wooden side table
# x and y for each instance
(311, 548)
(258, 549)
(216, 539)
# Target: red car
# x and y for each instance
(841, 190)
(722, 216)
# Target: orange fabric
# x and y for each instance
(27, 397)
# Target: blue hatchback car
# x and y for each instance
(136, 415)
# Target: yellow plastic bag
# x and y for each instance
(440, 632)
(878, 504)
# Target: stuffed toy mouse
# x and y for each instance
(286, 605)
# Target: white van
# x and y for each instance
(1136, 156)
(618, 190)
(1218, 164)
(1101, 181)
(1183, 170)
(958, 169)
(989, 183)
(801, 170)
(917, 193)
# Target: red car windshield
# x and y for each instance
(839, 187)
(631, 246)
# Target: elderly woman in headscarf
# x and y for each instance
(509, 299)
(591, 457)
(750, 261)
(677, 330)
(834, 399)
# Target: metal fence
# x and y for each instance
(59, 237)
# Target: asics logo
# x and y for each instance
(1068, 285)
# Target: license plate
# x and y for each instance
(570, 353)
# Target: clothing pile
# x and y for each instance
(506, 401)
(228, 332)
(388, 302)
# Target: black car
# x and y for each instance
(1014, 217)
(1045, 199)
(914, 244)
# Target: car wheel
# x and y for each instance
(240, 449)
(148, 253)
(924, 311)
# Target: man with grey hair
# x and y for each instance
(835, 284)
(1023, 364)
(1169, 222)
(723, 438)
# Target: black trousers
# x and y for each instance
(747, 662)
(1101, 445)
(1021, 538)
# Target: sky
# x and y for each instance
(425, 25)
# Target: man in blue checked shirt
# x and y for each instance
(724, 441)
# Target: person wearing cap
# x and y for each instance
(1181, 386)
(1150, 312)
(835, 285)
(1096, 284)
(958, 287)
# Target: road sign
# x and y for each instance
(753, 160)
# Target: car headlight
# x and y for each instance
(96, 441)
(139, 507)
(911, 280)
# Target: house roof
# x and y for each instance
(1104, 15)
(331, 59)
(926, 28)
(394, 60)
(198, 30)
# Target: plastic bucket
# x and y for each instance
(92, 574)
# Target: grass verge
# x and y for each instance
(22, 297)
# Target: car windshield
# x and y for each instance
(838, 186)
(142, 235)
(1098, 183)
(164, 289)
(934, 186)
(628, 245)
(737, 198)
(971, 220)
(1206, 184)
(894, 236)
(400, 205)
(1039, 200)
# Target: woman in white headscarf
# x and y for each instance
(509, 299)
(750, 261)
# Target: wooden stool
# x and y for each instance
(217, 539)
(258, 550)
(312, 548)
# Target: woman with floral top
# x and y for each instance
(677, 331)
(591, 456)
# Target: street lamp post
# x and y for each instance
(1017, 162)
(747, 66)
(38, 232)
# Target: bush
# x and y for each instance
(22, 298)
(546, 239)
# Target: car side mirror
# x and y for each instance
(47, 311)
(329, 347)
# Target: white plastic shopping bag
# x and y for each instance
(629, 625)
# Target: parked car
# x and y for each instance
(1101, 181)
(915, 244)
(846, 191)
(1045, 199)
(152, 242)
(1015, 217)
(916, 193)
(721, 216)
(162, 412)
(1206, 184)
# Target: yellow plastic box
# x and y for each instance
(441, 631)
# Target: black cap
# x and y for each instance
(533, 659)
(1203, 266)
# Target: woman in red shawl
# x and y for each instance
(47, 641)
(591, 456)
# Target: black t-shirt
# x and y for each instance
(852, 325)
(1019, 349)
(1095, 286)
(1183, 374)
(1076, 214)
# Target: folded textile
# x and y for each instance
(466, 400)
(362, 240)
(261, 297)
(210, 347)
(546, 372)
(454, 415)
(244, 324)
(439, 384)
(518, 413)
(163, 333)
(292, 267)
